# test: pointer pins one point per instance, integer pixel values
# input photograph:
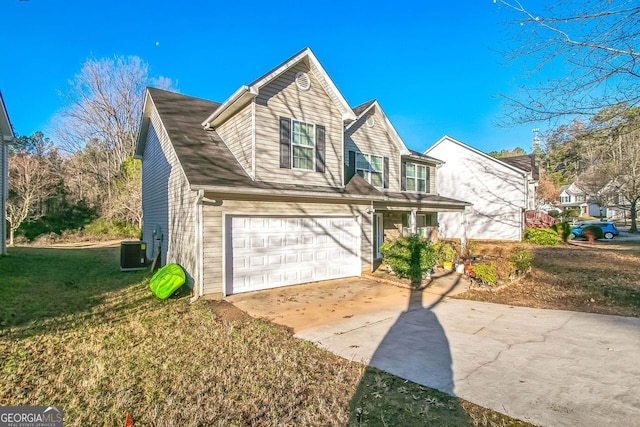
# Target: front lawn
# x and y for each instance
(76, 332)
(601, 277)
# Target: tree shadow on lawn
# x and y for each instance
(415, 348)
(55, 288)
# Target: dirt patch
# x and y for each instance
(228, 312)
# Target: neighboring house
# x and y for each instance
(6, 136)
(573, 197)
(499, 191)
(283, 183)
(615, 205)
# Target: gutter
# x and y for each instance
(239, 95)
(199, 286)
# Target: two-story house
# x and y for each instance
(501, 191)
(6, 136)
(574, 197)
(283, 183)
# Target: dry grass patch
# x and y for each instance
(77, 332)
(602, 277)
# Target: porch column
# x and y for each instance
(414, 221)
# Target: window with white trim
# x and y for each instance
(416, 177)
(302, 144)
(371, 168)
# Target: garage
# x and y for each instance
(263, 252)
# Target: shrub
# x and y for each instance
(485, 273)
(504, 269)
(541, 236)
(409, 257)
(112, 229)
(563, 229)
(592, 232)
(521, 259)
(471, 248)
(444, 252)
(571, 213)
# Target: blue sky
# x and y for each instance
(433, 66)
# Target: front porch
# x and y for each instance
(390, 225)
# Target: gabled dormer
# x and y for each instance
(287, 126)
(375, 151)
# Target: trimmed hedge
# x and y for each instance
(541, 236)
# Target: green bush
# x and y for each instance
(571, 213)
(563, 229)
(541, 236)
(409, 257)
(521, 259)
(112, 229)
(444, 252)
(485, 273)
(592, 232)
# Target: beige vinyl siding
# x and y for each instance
(282, 98)
(236, 134)
(213, 229)
(167, 201)
(374, 140)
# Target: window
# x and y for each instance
(302, 143)
(424, 223)
(370, 167)
(416, 177)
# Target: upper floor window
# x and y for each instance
(416, 177)
(302, 145)
(371, 168)
(581, 198)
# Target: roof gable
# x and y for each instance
(247, 92)
(449, 140)
(364, 110)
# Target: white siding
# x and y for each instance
(282, 98)
(167, 201)
(236, 133)
(213, 226)
(498, 194)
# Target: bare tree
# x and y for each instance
(590, 48)
(33, 175)
(101, 119)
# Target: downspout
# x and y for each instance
(199, 285)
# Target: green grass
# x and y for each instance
(77, 332)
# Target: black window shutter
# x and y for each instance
(320, 149)
(385, 172)
(350, 170)
(403, 177)
(428, 180)
(285, 142)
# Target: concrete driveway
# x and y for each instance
(548, 367)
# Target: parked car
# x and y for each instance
(609, 229)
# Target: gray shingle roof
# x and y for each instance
(525, 163)
(209, 164)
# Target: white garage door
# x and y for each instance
(265, 252)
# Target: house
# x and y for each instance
(6, 136)
(282, 183)
(574, 197)
(500, 190)
(615, 205)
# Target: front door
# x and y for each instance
(378, 234)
